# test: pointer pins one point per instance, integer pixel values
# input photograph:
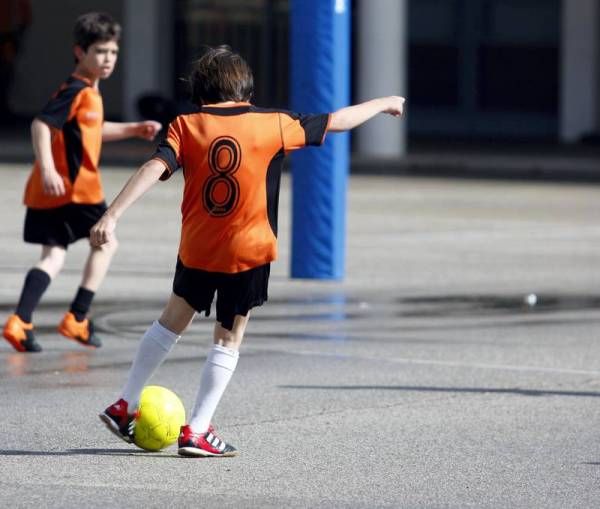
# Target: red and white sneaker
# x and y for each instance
(203, 444)
(119, 420)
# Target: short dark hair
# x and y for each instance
(95, 27)
(220, 75)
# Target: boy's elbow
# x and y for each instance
(37, 125)
(336, 124)
(338, 128)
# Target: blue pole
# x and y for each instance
(320, 82)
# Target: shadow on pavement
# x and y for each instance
(473, 390)
(87, 452)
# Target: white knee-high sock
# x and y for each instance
(218, 370)
(156, 343)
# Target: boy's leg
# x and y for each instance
(18, 329)
(154, 347)
(52, 260)
(218, 369)
(97, 264)
(236, 295)
(94, 272)
(198, 438)
(74, 324)
(38, 279)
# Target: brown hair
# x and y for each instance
(95, 27)
(220, 75)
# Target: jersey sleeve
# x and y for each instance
(299, 131)
(169, 150)
(57, 110)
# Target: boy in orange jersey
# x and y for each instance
(231, 154)
(64, 196)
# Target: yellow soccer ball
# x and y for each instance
(160, 414)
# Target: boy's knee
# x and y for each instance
(52, 260)
(113, 245)
(57, 259)
(53, 257)
(233, 342)
(229, 338)
(110, 247)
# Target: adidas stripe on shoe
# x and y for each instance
(203, 444)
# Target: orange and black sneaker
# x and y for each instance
(20, 335)
(83, 331)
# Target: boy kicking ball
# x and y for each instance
(230, 153)
(64, 196)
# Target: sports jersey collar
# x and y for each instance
(79, 77)
(226, 109)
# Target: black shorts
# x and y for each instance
(236, 293)
(61, 226)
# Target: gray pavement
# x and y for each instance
(423, 380)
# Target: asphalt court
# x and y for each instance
(426, 378)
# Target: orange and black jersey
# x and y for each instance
(75, 115)
(231, 157)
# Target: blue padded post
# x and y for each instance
(320, 82)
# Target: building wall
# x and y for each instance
(484, 68)
(489, 68)
(46, 58)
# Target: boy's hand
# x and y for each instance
(53, 183)
(148, 129)
(395, 105)
(102, 231)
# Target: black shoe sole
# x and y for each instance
(29, 345)
(196, 452)
(113, 428)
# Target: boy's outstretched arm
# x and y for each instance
(41, 139)
(114, 131)
(142, 180)
(350, 117)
